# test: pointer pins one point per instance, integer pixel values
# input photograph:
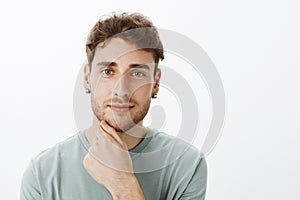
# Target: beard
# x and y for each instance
(120, 121)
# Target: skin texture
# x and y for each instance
(122, 81)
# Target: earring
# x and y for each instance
(154, 96)
(88, 91)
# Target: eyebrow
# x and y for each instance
(106, 63)
(141, 66)
(113, 64)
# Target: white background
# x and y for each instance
(254, 44)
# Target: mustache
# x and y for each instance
(119, 101)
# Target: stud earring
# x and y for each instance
(88, 91)
(154, 96)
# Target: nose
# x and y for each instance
(122, 88)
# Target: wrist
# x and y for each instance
(127, 188)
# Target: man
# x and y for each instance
(117, 157)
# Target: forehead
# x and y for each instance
(117, 49)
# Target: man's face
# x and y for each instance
(122, 82)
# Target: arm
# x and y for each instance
(109, 164)
(30, 189)
(196, 188)
(121, 185)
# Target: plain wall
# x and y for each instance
(254, 45)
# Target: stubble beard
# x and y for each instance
(121, 122)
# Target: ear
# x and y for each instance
(86, 71)
(156, 81)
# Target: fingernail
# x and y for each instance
(102, 123)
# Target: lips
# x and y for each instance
(120, 107)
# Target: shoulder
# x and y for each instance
(162, 140)
(58, 152)
(42, 166)
(185, 168)
(175, 149)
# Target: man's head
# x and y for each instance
(122, 73)
(134, 28)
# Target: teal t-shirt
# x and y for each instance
(166, 168)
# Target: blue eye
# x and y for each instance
(107, 72)
(138, 74)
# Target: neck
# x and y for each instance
(131, 138)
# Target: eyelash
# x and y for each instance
(142, 74)
(103, 72)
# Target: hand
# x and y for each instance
(109, 163)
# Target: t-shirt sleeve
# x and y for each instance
(196, 188)
(30, 188)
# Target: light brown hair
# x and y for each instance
(135, 28)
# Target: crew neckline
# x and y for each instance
(149, 134)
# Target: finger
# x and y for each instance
(104, 137)
(108, 140)
(111, 132)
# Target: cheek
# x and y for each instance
(143, 92)
(102, 86)
(103, 90)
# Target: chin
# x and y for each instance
(120, 125)
(121, 122)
